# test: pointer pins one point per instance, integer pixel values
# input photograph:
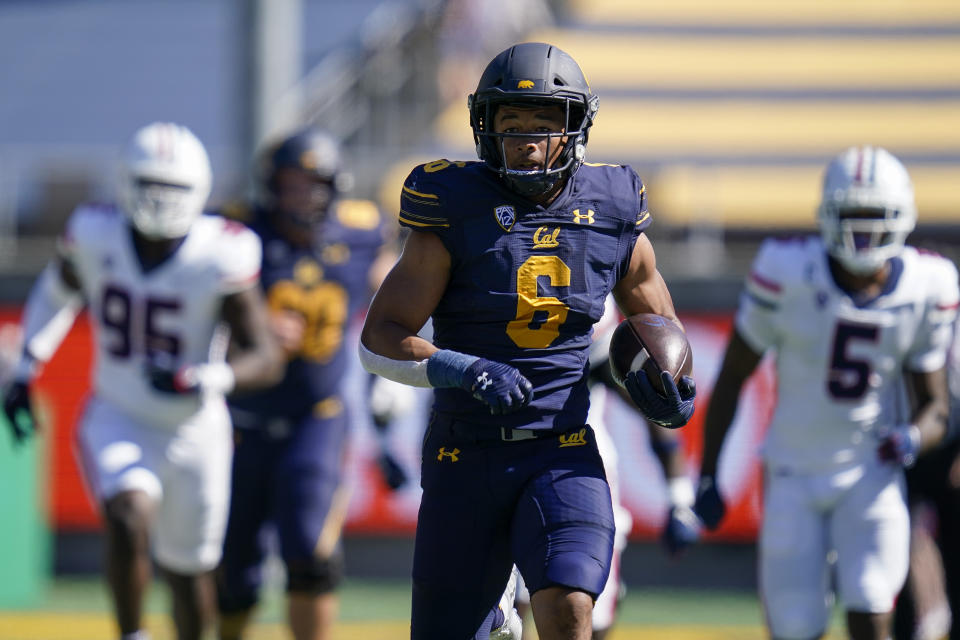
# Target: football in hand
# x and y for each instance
(652, 343)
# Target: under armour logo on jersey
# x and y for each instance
(577, 439)
(588, 216)
(506, 216)
(443, 453)
(547, 240)
(821, 299)
(483, 381)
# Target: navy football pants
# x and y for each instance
(290, 483)
(543, 504)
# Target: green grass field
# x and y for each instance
(80, 610)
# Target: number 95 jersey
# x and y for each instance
(169, 313)
(839, 358)
(527, 282)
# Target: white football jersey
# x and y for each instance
(839, 360)
(170, 312)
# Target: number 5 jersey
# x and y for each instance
(840, 358)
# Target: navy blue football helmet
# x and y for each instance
(530, 75)
(301, 175)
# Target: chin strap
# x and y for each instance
(531, 188)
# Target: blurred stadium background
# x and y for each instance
(727, 110)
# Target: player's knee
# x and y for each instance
(127, 518)
(234, 604)
(568, 610)
(315, 575)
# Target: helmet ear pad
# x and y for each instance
(580, 149)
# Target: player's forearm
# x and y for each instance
(393, 352)
(931, 420)
(257, 368)
(723, 407)
(392, 340)
(50, 310)
(739, 363)
(931, 398)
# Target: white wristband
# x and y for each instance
(680, 490)
(410, 372)
(215, 377)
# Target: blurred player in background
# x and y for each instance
(851, 316)
(681, 528)
(929, 606)
(320, 256)
(513, 258)
(155, 445)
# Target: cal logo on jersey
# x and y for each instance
(525, 84)
(506, 216)
(544, 239)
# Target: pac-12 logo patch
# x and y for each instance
(505, 216)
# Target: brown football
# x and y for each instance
(653, 343)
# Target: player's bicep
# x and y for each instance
(407, 297)
(642, 289)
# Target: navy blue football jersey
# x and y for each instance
(527, 282)
(327, 284)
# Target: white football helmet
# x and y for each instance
(164, 180)
(867, 208)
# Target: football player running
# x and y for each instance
(513, 258)
(321, 256)
(854, 317)
(681, 527)
(162, 283)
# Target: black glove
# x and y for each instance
(17, 409)
(502, 387)
(393, 473)
(682, 530)
(173, 381)
(709, 506)
(671, 410)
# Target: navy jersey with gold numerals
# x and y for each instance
(527, 282)
(326, 284)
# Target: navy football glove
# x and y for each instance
(502, 387)
(393, 473)
(672, 410)
(682, 530)
(17, 409)
(709, 506)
